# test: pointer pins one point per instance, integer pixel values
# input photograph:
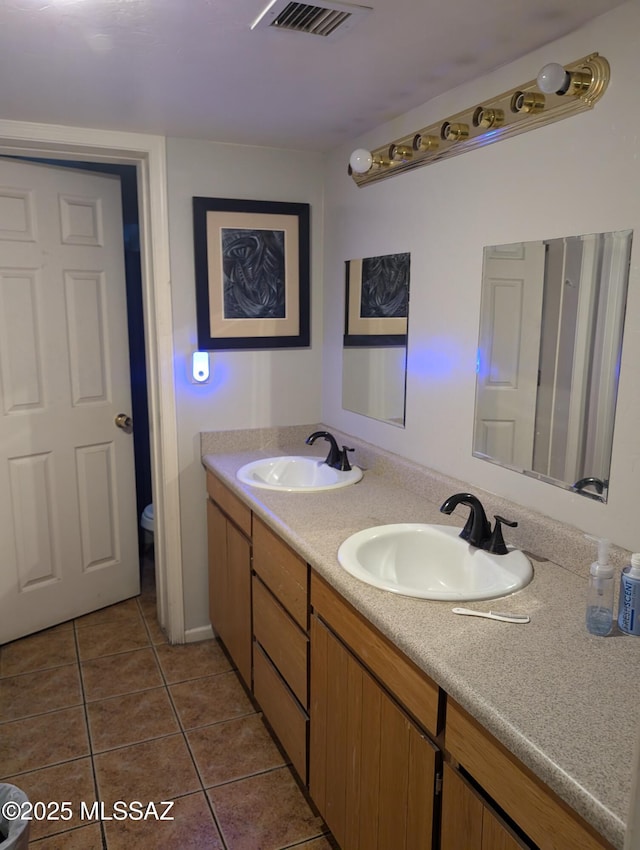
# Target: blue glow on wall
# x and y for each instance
(439, 360)
(219, 375)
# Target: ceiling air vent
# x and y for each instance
(326, 19)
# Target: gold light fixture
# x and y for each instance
(486, 117)
(425, 143)
(527, 101)
(455, 132)
(557, 92)
(400, 153)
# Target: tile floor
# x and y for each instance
(104, 709)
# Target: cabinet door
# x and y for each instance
(238, 586)
(547, 820)
(372, 773)
(217, 551)
(283, 571)
(496, 836)
(284, 642)
(467, 822)
(282, 710)
(229, 554)
(461, 814)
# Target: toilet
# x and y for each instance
(146, 522)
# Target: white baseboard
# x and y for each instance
(198, 634)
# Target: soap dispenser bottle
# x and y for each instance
(629, 601)
(600, 594)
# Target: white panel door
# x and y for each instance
(509, 345)
(68, 524)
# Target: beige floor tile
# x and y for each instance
(192, 660)
(131, 718)
(43, 740)
(155, 632)
(72, 782)
(233, 750)
(212, 699)
(35, 693)
(192, 828)
(125, 660)
(123, 673)
(267, 811)
(49, 648)
(121, 612)
(84, 838)
(152, 771)
(108, 639)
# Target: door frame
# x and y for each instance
(148, 154)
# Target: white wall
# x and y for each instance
(248, 389)
(580, 175)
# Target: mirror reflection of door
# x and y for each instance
(510, 318)
(546, 406)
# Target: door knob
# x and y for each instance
(125, 422)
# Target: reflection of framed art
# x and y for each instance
(377, 300)
(252, 273)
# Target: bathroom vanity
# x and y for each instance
(410, 727)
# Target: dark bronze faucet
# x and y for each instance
(336, 458)
(477, 530)
(591, 481)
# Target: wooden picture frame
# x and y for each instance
(251, 274)
(377, 300)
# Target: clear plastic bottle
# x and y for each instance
(599, 616)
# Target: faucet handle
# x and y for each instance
(345, 466)
(496, 544)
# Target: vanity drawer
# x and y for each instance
(282, 711)
(545, 818)
(410, 686)
(283, 571)
(282, 639)
(230, 503)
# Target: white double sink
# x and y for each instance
(295, 474)
(412, 559)
(431, 562)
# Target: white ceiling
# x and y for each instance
(194, 68)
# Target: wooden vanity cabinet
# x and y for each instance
(229, 559)
(373, 770)
(281, 641)
(358, 719)
(468, 822)
(539, 814)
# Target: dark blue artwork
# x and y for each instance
(385, 287)
(254, 274)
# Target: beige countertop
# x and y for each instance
(564, 702)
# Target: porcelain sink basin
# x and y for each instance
(431, 562)
(295, 474)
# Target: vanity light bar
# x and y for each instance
(534, 104)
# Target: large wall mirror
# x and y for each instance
(551, 322)
(374, 357)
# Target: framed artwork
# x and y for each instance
(252, 274)
(377, 300)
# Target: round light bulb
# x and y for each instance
(553, 79)
(360, 161)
